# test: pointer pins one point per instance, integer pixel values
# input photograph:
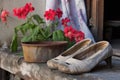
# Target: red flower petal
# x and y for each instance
(65, 21)
(59, 13)
(50, 14)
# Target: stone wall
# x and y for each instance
(6, 31)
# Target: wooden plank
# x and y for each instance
(93, 19)
(100, 19)
(88, 8)
(96, 20)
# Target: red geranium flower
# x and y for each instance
(19, 12)
(59, 13)
(69, 32)
(4, 15)
(79, 35)
(3, 19)
(65, 21)
(50, 14)
(23, 11)
(28, 7)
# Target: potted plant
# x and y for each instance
(41, 41)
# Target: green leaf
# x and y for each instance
(40, 37)
(38, 19)
(58, 35)
(14, 44)
(42, 31)
(38, 34)
(54, 36)
(48, 32)
(25, 27)
(26, 39)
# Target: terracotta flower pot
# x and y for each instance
(42, 51)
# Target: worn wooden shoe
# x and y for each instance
(53, 63)
(87, 59)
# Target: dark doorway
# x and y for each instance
(112, 23)
(111, 19)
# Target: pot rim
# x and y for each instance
(44, 43)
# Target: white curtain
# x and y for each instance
(75, 10)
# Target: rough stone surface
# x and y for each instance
(39, 71)
(116, 52)
(14, 77)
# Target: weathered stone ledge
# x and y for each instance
(39, 71)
